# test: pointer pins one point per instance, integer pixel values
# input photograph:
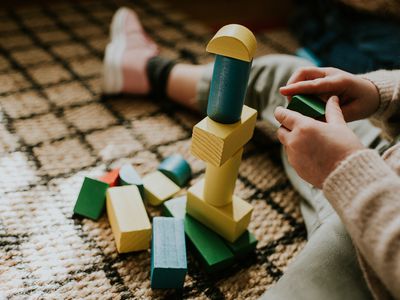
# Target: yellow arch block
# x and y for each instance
(234, 41)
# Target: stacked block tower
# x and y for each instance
(219, 138)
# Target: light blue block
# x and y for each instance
(176, 168)
(129, 176)
(228, 89)
(168, 253)
(308, 55)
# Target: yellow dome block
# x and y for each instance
(234, 41)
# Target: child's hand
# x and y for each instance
(315, 148)
(359, 98)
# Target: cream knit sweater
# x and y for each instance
(365, 191)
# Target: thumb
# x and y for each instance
(333, 112)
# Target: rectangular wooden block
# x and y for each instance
(111, 177)
(158, 188)
(128, 219)
(215, 143)
(212, 250)
(91, 199)
(230, 221)
(168, 253)
(307, 105)
(220, 181)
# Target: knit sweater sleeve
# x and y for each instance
(365, 191)
(388, 114)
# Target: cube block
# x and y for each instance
(307, 105)
(129, 176)
(215, 143)
(176, 168)
(158, 188)
(230, 221)
(128, 218)
(168, 253)
(112, 177)
(212, 250)
(91, 199)
(220, 181)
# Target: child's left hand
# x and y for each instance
(315, 148)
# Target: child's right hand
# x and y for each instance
(359, 97)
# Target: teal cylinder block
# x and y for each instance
(228, 89)
(176, 168)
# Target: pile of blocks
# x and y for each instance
(213, 219)
(216, 220)
(124, 193)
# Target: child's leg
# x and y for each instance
(327, 268)
(183, 83)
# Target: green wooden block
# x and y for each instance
(245, 244)
(91, 199)
(307, 105)
(209, 246)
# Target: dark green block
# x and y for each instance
(91, 199)
(307, 105)
(176, 168)
(245, 244)
(227, 89)
(209, 246)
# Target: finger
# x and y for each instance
(307, 73)
(333, 112)
(302, 74)
(315, 86)
(288, 118)
(283, 135)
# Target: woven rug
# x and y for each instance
(56, 128)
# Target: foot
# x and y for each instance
(127, 54)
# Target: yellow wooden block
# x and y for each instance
(128, 219)
(158, 188)
(234, 41)
(220, 181)
(215, 143)
(229, 221)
